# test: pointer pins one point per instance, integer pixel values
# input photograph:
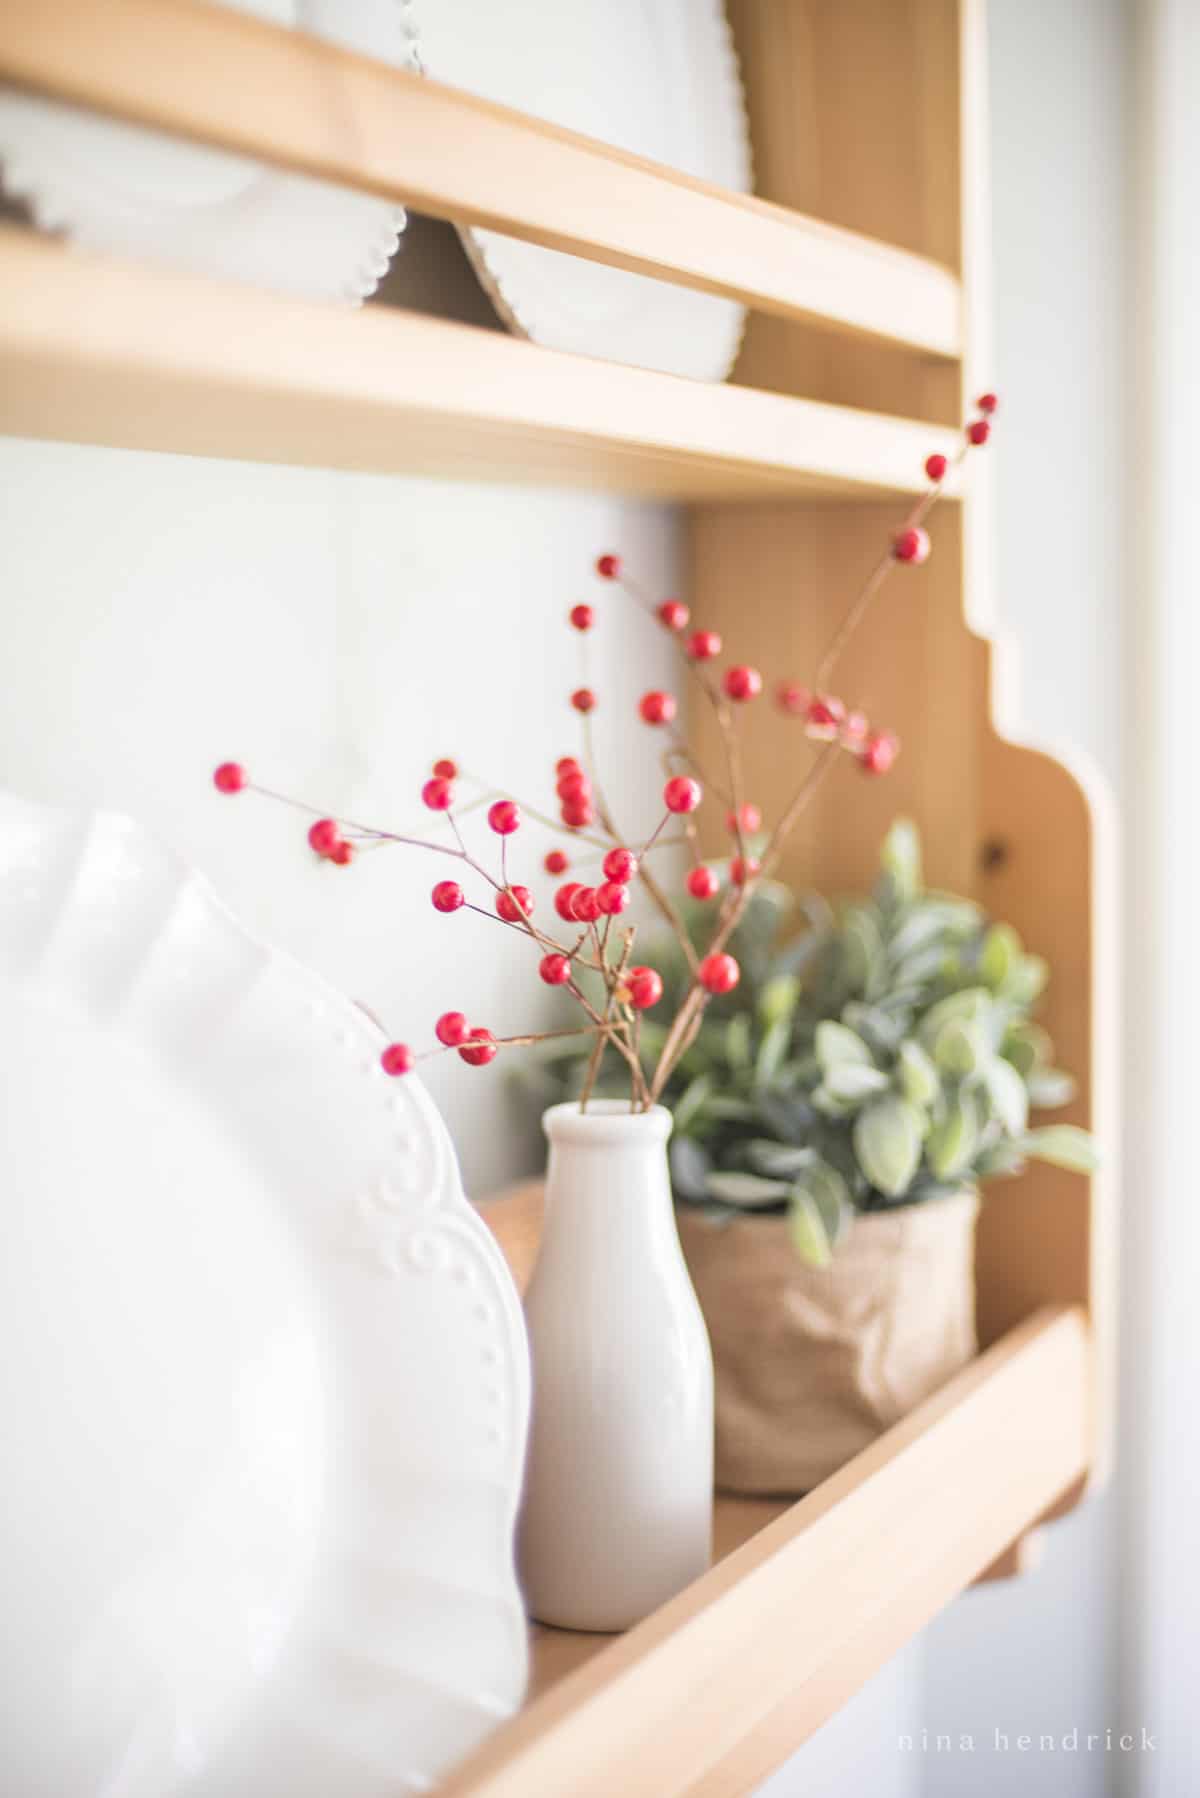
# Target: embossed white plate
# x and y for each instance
(263, 1375)
(656, 77)
(115, 187)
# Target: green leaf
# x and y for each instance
(916, 1075)
(999, 955)
(1049, 1087)
(851, 1082)
(751, 1191)
(729, 1107)
(1027, 1046)
(777, 1160)
(972, 1002)
(951, 1145)
(879, 1029)
(819, 1213)
(1026, 980)
(901, 858)
(691, 1104)
(887, 1142)
(828, 1103)
(836, 1044)
(690, 1167)
(777, 1001)
(1006, 1090)
(1002, 1157)
(772, 1051)
(862, 950)
(737, 1040)
(810, 1239)
(1063, 1145)
(962, 1047)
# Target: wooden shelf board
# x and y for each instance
(809, 1599)
(95, 350)
(323, 111)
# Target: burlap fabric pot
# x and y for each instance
(812, 1364)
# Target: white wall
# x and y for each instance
(336, 633)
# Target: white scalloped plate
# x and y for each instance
(118, 188)
(655, 77)
(264, 1384)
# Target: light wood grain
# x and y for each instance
(714, 1689)
(95, 350)
(326, 112)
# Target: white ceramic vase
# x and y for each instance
(618, 1501)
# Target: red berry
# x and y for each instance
(230, 777)
(719, 973)
(566, 764)
(574, 785)
(447, 895)
(583, 699)
(790, 696)
(479, 1048)
(585, 906)
(577, 814)
(612, 898)
(657, 708)
(702, 883)
(682, 793)
(645, 988)
(749, 817)
(564, 901)
(556, 862)
(555, 970)
(609, 567)
(446, 768)
(438, 794)
(397, 1058)
(742, 869)
(742, 683)
(935, 467)
(911, 546)
(451, 1029)
(987, 402)
(514, 903)
(324, 836)
(673, 614)
(979, 432)
(620, 864)
(879, 752)
(582, 617)
(504, 817)
(342, 854)
(825, 712)
(703, 646)
(855, 727)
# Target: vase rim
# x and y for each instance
(606, 1122)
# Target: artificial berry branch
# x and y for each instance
(585, 817)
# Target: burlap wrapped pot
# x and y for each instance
(812, 1364)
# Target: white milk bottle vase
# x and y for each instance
(618, 1500)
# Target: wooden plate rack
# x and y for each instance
(863, 261)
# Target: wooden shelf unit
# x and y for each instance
(862, 259)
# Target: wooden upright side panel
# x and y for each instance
(871, 113)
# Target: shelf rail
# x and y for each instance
(186, 68)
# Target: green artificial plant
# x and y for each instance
(886, 1056)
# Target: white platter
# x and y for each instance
(114, 187)
(264, 1384)
(655, 77)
